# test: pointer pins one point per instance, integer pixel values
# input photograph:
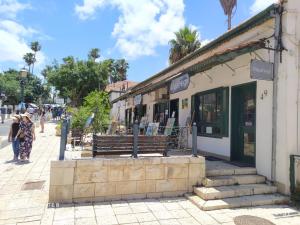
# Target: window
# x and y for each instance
(210, 112)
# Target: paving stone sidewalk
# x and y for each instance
(28, 204)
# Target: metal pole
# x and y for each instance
(63, 139)
(194, 140)
(135, 138)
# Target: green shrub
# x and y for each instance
(80, 117)
(97, 104)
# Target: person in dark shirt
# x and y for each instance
(14, 129)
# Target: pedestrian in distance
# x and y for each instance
(42, 121)
(26, 135)
(12, 136)
(3, 112)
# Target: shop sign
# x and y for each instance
(261, 70)
(179, 84)
(137, 99)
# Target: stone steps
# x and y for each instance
(231, 171)
(227, 186)
(222, 192)
(236, 202)
(217, 181)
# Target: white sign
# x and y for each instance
(59, 101)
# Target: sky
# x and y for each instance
(137, 30)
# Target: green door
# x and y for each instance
(243, 123)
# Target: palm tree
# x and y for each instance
(186, 41)
(29, 59)
(35, 47)
(228, 6)
(122, 69)
(119, 70)
(94, 54)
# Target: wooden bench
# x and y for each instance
(119, 145)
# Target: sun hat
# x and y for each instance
(16, 117)
(28, 115)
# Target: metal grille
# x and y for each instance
(251, 220)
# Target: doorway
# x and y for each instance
(243, 124)
(174, 110)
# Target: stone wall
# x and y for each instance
(124, 178)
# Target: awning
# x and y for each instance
(206, 64)
(225, 56)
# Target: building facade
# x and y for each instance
(241, 90)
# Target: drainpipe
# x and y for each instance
(277, 59)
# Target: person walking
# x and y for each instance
(26, 134)
(14, 129)
(42, 121)
(3, 112)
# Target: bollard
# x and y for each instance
(194, 140)
(63, 139)
(135, 139)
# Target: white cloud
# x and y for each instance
(10, 8)
(260, 5)
(14, 37)
(142, 26)
(205, 42)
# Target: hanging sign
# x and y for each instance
(137, 99)
(179, 84)
(261, 70)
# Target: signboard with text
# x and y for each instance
(261, 70)
(179, 84)
(137, 99)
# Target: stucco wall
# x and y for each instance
(124, 178)
(221, 76)
(288, 123)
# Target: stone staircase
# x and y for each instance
(233, 188)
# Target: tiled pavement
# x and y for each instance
(18, 206)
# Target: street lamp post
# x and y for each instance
(23, 74)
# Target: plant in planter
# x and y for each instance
(58, 129)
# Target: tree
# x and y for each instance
(98, 103)
(35, 47)
(29, 59)
(186, 41)
(10, 86)
(75, 78)
(94, 54)
(119, 70)
(228, 6)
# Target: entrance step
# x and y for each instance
(236, 202)
(212, 193)
(217, 181)
(231, 171)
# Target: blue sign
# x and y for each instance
(179, 84)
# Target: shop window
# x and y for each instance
(210, 112)
(161, 113)
(139, 112)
